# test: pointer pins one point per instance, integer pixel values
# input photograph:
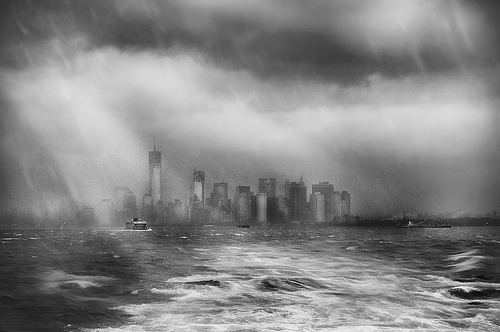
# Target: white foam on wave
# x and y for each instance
(180, 294)
(53, 280)
(466, 261)
(342, 293)
(199, 277)
(463, 255)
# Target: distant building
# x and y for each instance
(155, 180)
(262, 208)
(277, 210)
(243, 189)
(86, 217)
(148, 208)
(297, 199)
(242, 207)
(337, 197)
(119, 197)
(105, 212)
(125, 203)
(268, 186)
(345, 204)
(176, 212)
(326, 189)
(219, 196)
(130, 204)
(318, 210)
(198, 193)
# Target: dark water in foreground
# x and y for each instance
(230, 279)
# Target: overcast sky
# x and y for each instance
(394, 101)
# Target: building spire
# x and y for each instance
(154, 143)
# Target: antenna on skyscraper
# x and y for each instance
(154, 143)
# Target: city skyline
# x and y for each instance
(394, 101)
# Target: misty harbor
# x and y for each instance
(253, 279)
(272, 165)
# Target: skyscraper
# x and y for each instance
(125, 203)
(198, 187)
(243, 189)
(326, 189)
(155, 174)
(287, 189)
(105, 212)
(262, 208)
(242, 204)
(219, 197)
(297, 198)
(268, 186)
(337, 215)
(318, 206)
(345, 204)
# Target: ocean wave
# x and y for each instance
(469, 260)
(55, 280)
(199, 277)
(289, 284)
(475, 293)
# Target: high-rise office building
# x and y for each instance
(268, 186)
(219, 196)
(105, 212)
(345, 204)
(337, 197)
(119, 197)
(198, 195)
(297, 198)
(326, 189)
(125, 203)
(317, 202)
(130, 203)
(262, 208)
(287, 189)
(243, 189)
(155, 175)
(242, 204)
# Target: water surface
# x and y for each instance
(256, 279)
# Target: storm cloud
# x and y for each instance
(394, 101)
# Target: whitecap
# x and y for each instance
(199, 277)
(468, 260)
(53, 280)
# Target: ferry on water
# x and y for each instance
(136, 224)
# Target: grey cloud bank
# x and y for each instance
(392, 100)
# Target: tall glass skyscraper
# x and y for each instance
(155, 174)
(198, 187)
(268, 186)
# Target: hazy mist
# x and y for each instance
(393, 101)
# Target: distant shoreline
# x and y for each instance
(382, 223)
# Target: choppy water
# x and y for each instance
(230, 279)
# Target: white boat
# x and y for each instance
(136, 224)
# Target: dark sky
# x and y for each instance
(394, 101)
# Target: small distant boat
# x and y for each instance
(422, 225)
(243, 226)
(136, 224)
